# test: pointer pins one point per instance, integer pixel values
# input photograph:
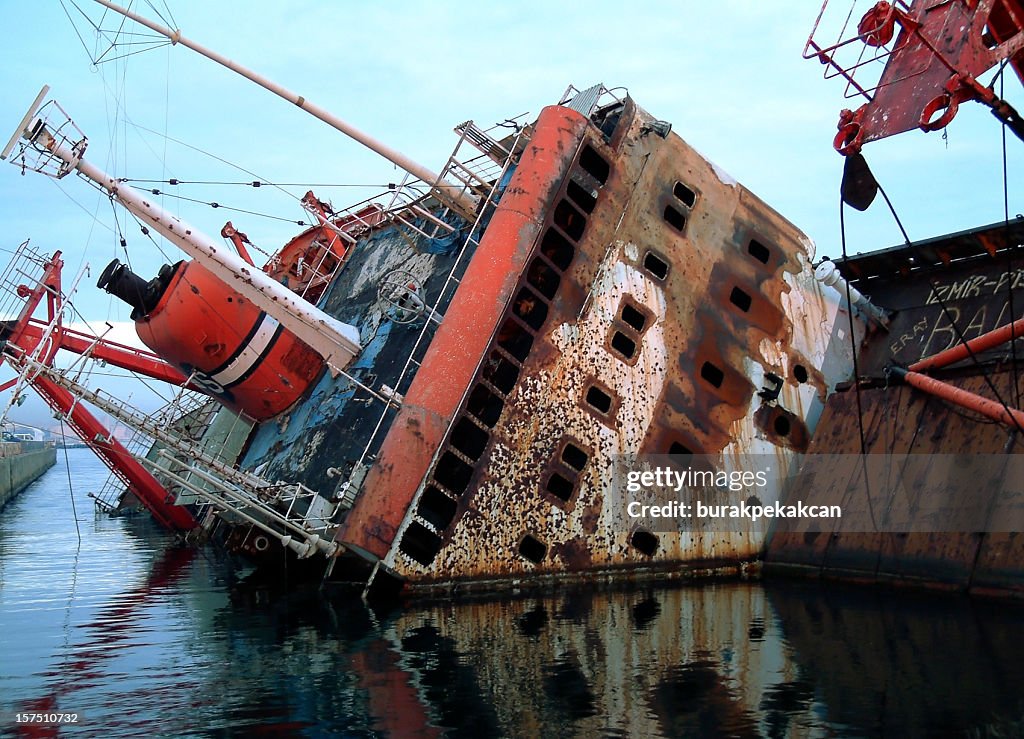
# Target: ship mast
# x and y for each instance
(461, 198)
(335, 341)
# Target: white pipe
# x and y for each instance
(242, 497)
(311, 540)
(827, 273)
(392, 155)
(333, 340)
(147, 426)
(303, 550)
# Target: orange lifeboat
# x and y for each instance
(232, 350)
(307, 263)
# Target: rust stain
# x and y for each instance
(710, 279)
(652, 302)
(461, 340)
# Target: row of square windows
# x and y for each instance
(499, 374)
(600, 398)
(514, 341)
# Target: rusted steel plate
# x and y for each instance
(1000, 566)
(901, 420)
(927, 294)
(660, 298)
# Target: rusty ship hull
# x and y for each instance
(640, 297)
(625, 297)
(941, 292)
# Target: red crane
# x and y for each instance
(29, 343)
(933, 52)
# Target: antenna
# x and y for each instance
(465, 201)
(46, 128)
(23, 126)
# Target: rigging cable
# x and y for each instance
(1010, 275)
(167, 20)
(115, 96)
(120, 234)
(891, 445)
(949, 316)
(240, 168)
(215, 205)
(71, 489)
(153, 41)
(153, 45)
(258, 183)
(91, 214)
(167, 112)
(117, 34)
(856, 371)
(75, 27)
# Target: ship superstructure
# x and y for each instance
(642, 303)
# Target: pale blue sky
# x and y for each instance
(728, 75)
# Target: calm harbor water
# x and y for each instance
(139, 637)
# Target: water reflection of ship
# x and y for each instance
(883, 663)
(736, 660)
(111, 634)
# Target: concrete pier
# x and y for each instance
(22, 463)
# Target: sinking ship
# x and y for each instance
(436, 388)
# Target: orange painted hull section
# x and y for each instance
(306, 263)
(454, 355)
